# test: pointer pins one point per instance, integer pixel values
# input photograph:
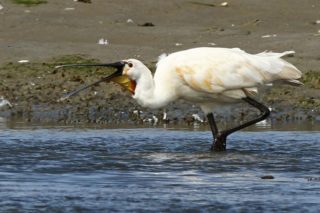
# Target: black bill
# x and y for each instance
(113, 77)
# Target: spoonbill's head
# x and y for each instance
(134, 69)
(126, 73)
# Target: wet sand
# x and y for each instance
(66, 27)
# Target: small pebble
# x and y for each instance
(269, 36)
(83, 1)
(267, 177)
(102, 41)
(224, 4)
(316, 22)
(129, 20)
(69, 8)
(147, 24)
(23, 61)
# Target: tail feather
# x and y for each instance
(291, 82)
(290, 73)
(279, 70)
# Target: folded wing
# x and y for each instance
(216, 70)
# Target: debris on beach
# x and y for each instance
(69, 8)
(269, 36)
(4, 102)
(103, 41)
(1, 7)
(264, 124)
(137, 112)
(224, 4)
(316, 22)
(23, 61)
(178, 44)
(83, 1)
(155, 120)
(203, 4)
(197, 118)
(212, 44)
(165, 117)
(130, 21)
(147, 24)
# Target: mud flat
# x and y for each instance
(34, 90)
(59, 32)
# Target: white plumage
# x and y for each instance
(209, 76)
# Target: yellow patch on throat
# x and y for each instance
(125, 82)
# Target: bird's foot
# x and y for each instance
(219, 143)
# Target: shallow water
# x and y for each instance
(157, 170)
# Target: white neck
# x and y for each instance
(149, 93)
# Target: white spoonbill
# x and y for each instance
(207, 76)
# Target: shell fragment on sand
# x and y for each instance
(23, 61)
(103, 41)
(4, 102)
(197, 118)
(269, 36)
(224, 4)
(69, 8)
(130, 20)
(83, 1)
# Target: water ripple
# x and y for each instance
(143, 170)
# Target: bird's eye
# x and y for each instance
(130, 64)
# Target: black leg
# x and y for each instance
(219, 141)
(265, 112)
(213, 125)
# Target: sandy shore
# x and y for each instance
(64, 27)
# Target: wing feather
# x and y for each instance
(216, 70)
